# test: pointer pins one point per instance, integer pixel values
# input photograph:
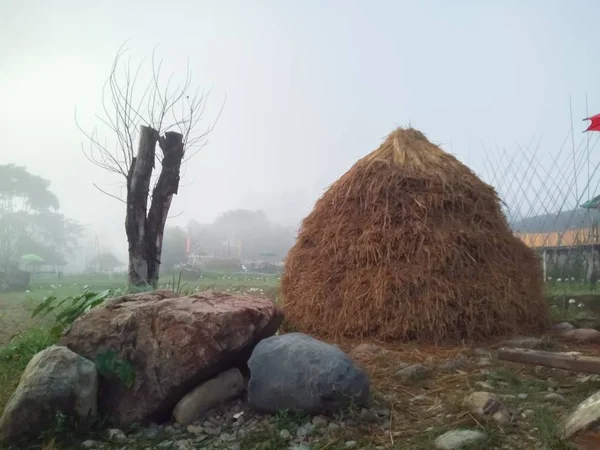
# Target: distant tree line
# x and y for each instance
(31, 226)
(240, 233)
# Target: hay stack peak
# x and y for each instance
(410, 244)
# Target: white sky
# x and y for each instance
(311, 87)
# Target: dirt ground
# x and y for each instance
(432, 401)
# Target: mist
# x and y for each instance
(298, 93)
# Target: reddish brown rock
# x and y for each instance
(173, 342)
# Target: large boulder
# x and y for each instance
(55, 380)
(174, 343)
(298, 373)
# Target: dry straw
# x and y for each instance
(411, 244)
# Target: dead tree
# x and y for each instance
(166, 117)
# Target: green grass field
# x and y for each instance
(16, 307)
(22, 336)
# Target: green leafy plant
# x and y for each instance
(178, 288)
(65, 311)
(110, 366)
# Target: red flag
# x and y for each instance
(595, 124)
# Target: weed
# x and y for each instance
(65, 311)
(547, 426)
(110, 366)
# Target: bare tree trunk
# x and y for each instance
(162, 195)
(138, 188)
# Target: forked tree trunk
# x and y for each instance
(145, 228)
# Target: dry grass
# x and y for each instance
(410, 244)
(423, 409)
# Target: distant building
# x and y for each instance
(577, 227)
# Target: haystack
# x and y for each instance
(411, 244)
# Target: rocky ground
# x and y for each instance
(422, 398)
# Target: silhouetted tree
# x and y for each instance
(159, 115)
(30, 221)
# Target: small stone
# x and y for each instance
(581, 335)
(457, 439)
(212, 430)
(368, 351)
(554, 397)
(484, 362)
(416, 371)
(350, 444)
(196, 430)
(383, 412)
(367, 415)
(116, 435)
(529, 413)
(454, 364)
(333, 426)
(226, 437)
(350, 423)
(484, 385)
(223, 387)
(524, 342)
(89, 444)
(522, 396)
(319, 422)
(305, 430)
(184, 444)
(285, 434)
(563, 326)
(148, 433)
(486, 404)
(239, 422)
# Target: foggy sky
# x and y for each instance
(311, 87)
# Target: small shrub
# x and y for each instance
(65, 311)
(110, 366)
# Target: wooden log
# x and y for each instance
(573, 363)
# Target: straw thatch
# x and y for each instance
(411, 244)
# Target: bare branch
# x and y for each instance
(141, 108)
(109, 194)
(176, 215)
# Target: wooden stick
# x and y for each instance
(573, 363)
